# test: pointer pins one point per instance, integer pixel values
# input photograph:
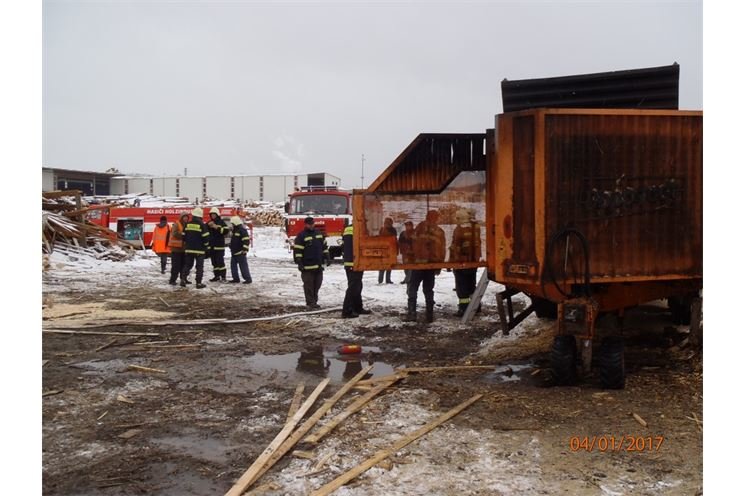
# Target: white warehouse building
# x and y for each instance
(265, 187)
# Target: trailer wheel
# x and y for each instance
(564, 360)
(612, 367)
(544, 309)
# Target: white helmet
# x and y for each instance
(462, 216)
(215, 210)
(197, 212)
(235, 220)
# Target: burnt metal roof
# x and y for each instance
(431, 162)
(650, 88)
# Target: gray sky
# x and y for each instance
(246, 87)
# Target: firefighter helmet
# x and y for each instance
(215, 210)
(197, 212)
(235, 220)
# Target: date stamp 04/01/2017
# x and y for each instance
(614, 443)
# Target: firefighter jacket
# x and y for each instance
(466, 243)
(160, 239)
(406, 246)
(310, 249)
(347, 239)
(196, 237)
(176, 241)
(429, 243)
(218, 233)
(239, 241)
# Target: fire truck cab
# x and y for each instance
(330, 207)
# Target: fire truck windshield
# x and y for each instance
(319, 205)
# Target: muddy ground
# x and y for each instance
(196, 427)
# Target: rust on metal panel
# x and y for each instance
(430, 163)
(628, 181)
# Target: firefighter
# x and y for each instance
(352, 306)
(310, 253)
(239, 244)
(218, 229)
(196, 245)
(465, 247)
(386, 230)
(159, 244)
(406, 248)
(176, 244)
(429, 247)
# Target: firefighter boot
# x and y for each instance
(430, 315)
(410, 313)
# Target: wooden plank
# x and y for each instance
(138, 368)
(398, 445)
(356, 406)
(308, 424)
(110, 343)
(100, 333)
(52, 393)
(59, 194)
(476, 298)
(383, 378)
(447, 368)
(296, 399)
(251, 474)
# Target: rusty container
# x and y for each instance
(607, 201)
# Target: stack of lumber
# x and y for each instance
(63, 227)
(265, 217)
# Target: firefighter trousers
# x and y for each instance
(240, 261)
(191, 259)
(177, 264)
(217, 257)
(427, 279)
(312, 280)
(353, 296)
(465, 285)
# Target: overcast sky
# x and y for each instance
(244, 87)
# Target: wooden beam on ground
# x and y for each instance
(145, 369)
(100, 333)
(52, 393)
(110, 343)
(308, 424)
(296, 399)
(385, 453)
(384, 378)
(251, 474)
(448, 368)
(353, 408)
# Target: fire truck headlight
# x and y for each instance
(339, 241)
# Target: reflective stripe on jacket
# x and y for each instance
(310, 249)
(196, 237)
(176, 241)
(240, 241)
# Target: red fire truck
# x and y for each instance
(330, 207)
(135, 224)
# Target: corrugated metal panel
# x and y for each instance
(650, 88)
(430, 163)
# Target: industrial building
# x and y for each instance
(265, 187)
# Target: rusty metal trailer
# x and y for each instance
(589, 206)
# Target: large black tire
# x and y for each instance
(544, 309)
(611, 361)
(680, 308)
(564, 360)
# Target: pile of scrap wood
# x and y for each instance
(64, 227)
(292, 434)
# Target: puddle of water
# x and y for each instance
(320, 363)
(509, 372)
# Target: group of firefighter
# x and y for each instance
(423, 244)
(190, 240)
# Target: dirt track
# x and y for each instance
(195, 428)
